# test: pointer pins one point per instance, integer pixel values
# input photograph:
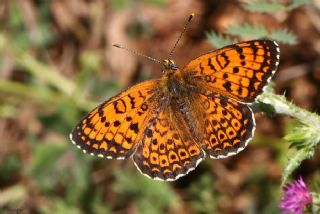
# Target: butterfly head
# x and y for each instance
(169, 65)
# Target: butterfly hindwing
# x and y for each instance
(166, 152)
(229, 125)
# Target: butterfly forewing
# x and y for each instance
(112, 129)
(240, 71)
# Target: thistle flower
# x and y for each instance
(296, 197)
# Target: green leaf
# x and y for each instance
(44, 164)
(78, 177)
(284, 36)
(203, 199)
(155, 2)
(263, 6)
(298, 3)
(218, 40)
(119, 4)
(43, 36)
(247, 30)
(59, 205)
(148, 195)
(16, 26)
(297, 135)
(303, 136)
(10, 166)
(98, 204)
(273, 6)
(8, 110)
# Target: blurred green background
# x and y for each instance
(57, 63)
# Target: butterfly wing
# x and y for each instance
(168, 150)
(240, 71)
(229, 125)
(112, 129)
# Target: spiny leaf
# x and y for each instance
(262, 6)
(218, 40)
(300, 136)
(295, 161)
(284, 36)
(273, 6)
(305, 137)
(256, 31)
(298, 3)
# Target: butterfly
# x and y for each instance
(168, 125)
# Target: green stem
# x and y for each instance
(304, 137)
(295, 161)
(283, 106)
(315, 203)
(45, 73)
(38, 94)
(38, 69)
(41, 95)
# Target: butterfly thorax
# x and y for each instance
(177, 100)
(172, 82)
(170, 69)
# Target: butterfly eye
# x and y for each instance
(165, 62)
(172, 65)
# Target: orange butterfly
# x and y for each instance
(169, 125)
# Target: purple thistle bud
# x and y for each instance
(296, 197)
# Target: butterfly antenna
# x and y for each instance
(137, 53)
(184, 30)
